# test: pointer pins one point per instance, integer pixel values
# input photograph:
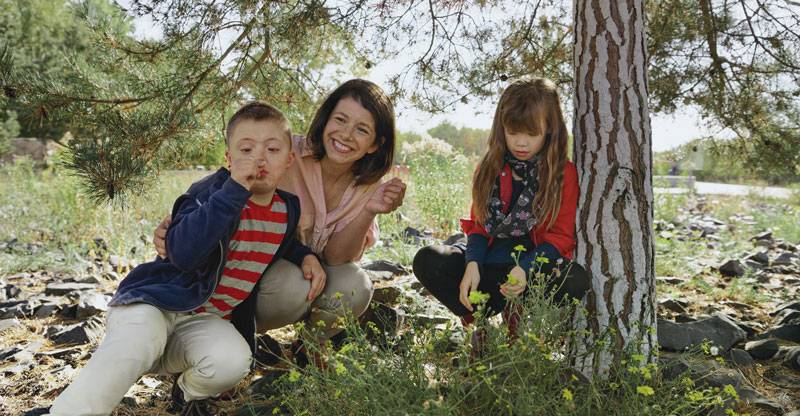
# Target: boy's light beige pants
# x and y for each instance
(206, 350)
(283, 297)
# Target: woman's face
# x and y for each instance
(349, 133)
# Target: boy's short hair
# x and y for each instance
(258, 111)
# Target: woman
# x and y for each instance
(337, 176)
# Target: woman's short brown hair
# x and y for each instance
(370, 168)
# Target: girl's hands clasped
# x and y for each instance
(516, 284)
(469, 283)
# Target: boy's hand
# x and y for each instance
(387, 197)
(469, 283)
(313, 271)
(510, 290)
(160, 236)
(245, 170)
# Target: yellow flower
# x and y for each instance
(694, 396)
(477, 297)
(645, 390)
(519, 247)
(542, 259)
(294, 375)
(566, 394)
(731, 391)
(511, 279)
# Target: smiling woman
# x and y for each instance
(336, 174)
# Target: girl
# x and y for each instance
(524, 197)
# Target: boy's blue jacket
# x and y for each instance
(203, 222)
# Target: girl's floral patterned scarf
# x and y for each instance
(520, 219)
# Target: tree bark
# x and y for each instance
(613, 155)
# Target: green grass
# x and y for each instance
(531, 376)
(48, 209)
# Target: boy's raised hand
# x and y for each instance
(519, 283)
(313, 271)
(160, 236)
(245, 170)
(469, 283)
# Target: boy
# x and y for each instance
(192, 314)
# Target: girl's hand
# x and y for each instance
(469, 283)
(160, 237)
(314, 272)
(510, 290)
(387, 197)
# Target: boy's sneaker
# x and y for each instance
(178, 402)
(268, 351)
(197, 408)
(39, 411)
(303, 356)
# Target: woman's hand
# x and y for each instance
(387, 197)
(469, 283)
(516, 284)
(160, 236)
(313, 271)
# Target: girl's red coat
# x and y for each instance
(561, 234)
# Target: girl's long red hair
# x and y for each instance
(527, 105)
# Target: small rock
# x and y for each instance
(785, 332)
(12, 291)
(722, 331)
(765, 236)
(386, 266)
(46, 310)
(381, 322)
(387, 295)
(785, 259)
(81, 333)
(671, 280)
(674, 305)
(58, 289)
(379, 276)
(92, 280)
(9, 352)
(732, 268)
(793, 305)
(740, 358)
(767, 405)
(455, 238)
(60, 352)
(760, 257)
(22, 309)
(118, 262)
(788, 317)
(762, 349)
(787, 247)
(792, 358)
(92, 304)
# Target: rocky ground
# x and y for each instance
(742, 314)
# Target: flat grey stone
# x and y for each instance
(58, 289)
(720, 330)
(762, 349)
(732, 268)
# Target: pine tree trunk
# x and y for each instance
(613, 154)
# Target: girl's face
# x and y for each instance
(523, 145)
(349, 133)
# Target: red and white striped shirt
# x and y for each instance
(250, 251)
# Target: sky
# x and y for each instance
(668, 130)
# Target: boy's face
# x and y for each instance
(266, 144)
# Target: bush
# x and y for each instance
(440, 180)
(414, 374)
(9, 128)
